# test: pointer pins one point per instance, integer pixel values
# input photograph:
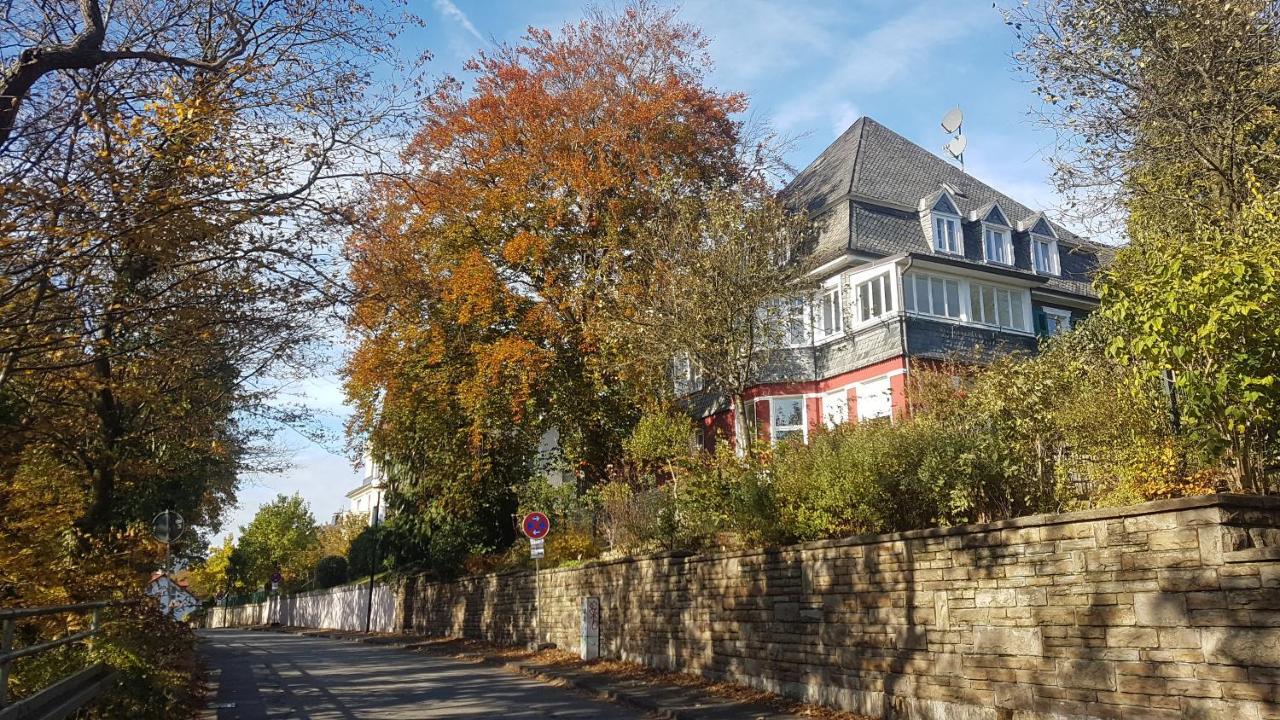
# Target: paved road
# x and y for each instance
(272, 675)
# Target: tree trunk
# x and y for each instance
(741, 439)
(102, 490)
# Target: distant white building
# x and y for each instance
(371, 492)
(174, 598)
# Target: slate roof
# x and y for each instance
(880, 174)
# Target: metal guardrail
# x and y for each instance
(7, 622)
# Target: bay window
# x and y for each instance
(875, 399)
(997, 306)
(788, 418)
(797, 322)
(835, 408)
(875, 297)
(931, 295)
(830, 319)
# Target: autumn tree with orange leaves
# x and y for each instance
(481, 279)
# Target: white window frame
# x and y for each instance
(830, 297)
(804, 418)
(882, 284)
(1063, 317)
(1050, 244)
(1006, 243)
(790, 308)
(943, 241)
(1018, 299)
(911, 280)
(942, 244)
(685, 375)
(866, 385)
(835, 399)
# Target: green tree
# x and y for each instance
(209, 577)
(480, 279)
(1205, 306)
(331, 570)
(709, 284)
(1163, 109)
(280, 538)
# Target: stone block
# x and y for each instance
(1213, 709)
(1132, 637)
(1173, 638)
(994, 598)
(786, 612)
(1087, 674)
(1143, 685)
(1177, 539)
(1008, 641)
(1269, 576)
(1183, 579)
(1210, 544)
(1242, 646)
(1160, 609)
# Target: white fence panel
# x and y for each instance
(340, 608)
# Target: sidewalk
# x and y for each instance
(674, 696)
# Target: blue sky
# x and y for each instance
(810, 67)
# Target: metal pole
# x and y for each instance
(6, 644)
(373, 565)
(95, 625)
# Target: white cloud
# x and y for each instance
(322, 479)
(896, 52)
(453, 12)
(757, 41)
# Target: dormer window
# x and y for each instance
(946, 227)
(997, 238)
(999, 247)
(1044, 255)
(1044, 245)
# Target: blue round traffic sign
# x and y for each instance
(535, 525)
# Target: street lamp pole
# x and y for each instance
(373, 567)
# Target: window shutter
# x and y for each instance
(1042, 322)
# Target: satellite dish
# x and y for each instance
(956, 147)
(952, 120)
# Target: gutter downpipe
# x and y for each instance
(902, 331)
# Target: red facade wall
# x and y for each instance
(720, 425)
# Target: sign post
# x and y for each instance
(536, 526)
(167, 527)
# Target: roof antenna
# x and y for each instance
(953, 123)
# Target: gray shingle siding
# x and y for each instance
(788, 365)
(864, 178)
(952, 341)
(876, 343)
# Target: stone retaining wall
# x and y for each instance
(1165, 610)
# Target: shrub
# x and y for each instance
(154, 655)
(571, 545)
(632, 516)
(729, 501)
(331, 570)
